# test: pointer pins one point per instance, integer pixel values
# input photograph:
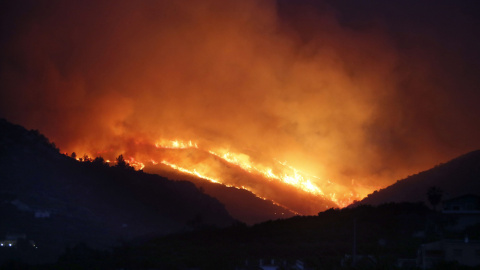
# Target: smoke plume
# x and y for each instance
(356, 94)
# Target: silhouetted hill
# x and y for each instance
(457, 177)
(57, 201)
(387, 232)
(244, 205)
(241, 204)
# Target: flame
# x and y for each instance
(293, 84)
(273, 170)
(281, 172)
(175, 144)
(135, 163)
(294, 177)
(194, 172)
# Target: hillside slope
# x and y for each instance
(57, 201)
(457, 177)
(241, 204)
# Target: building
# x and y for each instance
(464, 204)
(464, 210)
(464, 252)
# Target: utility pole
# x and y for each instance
(354, 252)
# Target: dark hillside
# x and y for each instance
(241, 204)
(455, 178)
(387, 232)
(57, 201)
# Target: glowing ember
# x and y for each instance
(175, 144)
(194, 172)
(274, 170)
(278, 171)
(135, 164)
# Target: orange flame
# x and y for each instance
(194, 172)
(282, 172)
(275, 171)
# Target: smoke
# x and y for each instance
(352, 94)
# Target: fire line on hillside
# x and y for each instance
(239, 170)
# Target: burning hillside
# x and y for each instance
(268, 179)
(310, 104)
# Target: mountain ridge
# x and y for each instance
(240, 203)
(58, 201)
(456, 177)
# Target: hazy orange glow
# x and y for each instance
(265, 172)
(300, 102)
(175, 144)
(197, 174)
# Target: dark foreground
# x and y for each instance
(387, 237)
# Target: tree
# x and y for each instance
(86, 158)
(73, 155)
(122, 163)
(434, 195)
(99, 161)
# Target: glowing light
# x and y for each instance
(175, 144)
(290, 176)
(135, 164)
(197, 174)
(272, 170)
(281, 172)
(194, 172)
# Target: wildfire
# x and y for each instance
(194, 172)
(272, 170)
(135, 163)
(280, 172)
(292, 177)
(175, 144)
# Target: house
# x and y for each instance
(465, 252)
(465, 210)
(464, 204)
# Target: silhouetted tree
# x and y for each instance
(73, 155)
(121, 163)
(434, 195)
(86, 158)
(99, 161)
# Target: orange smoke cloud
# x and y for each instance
(347, 99)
